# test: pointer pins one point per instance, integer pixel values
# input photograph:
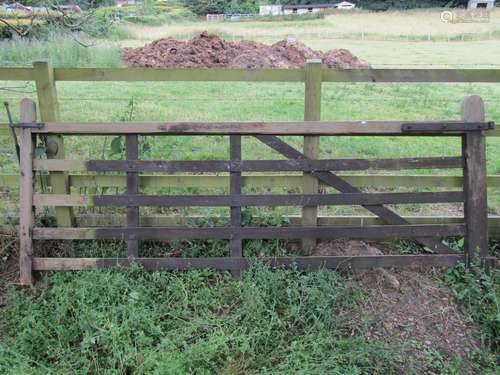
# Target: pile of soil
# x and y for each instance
(210, 51)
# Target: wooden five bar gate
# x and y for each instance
(473, 195)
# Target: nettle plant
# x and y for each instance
(117, 145)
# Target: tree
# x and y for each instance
(202, 7)
(408, 4)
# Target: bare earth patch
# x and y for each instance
(409, 306)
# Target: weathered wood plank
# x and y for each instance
(59, 165)
(311, 148)
(28, 114)
(67, 200)
(163, 233)
(310, 262)
(432, 128)
(96, 220)
(132, 153)
(49, 111)
(476, 203)
(99, 220)
(172, 166)
(62, 200)
(276, 75)
(411, 75)
(269, 200)
(17, 74)
(179, 74)
(4, 131)
(235, 244)
(339, 128)
(261, 181)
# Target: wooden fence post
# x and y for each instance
(235, 244)
(312, 112)
(476, 204)
(49, 111)
(28, 115)
(132, 153)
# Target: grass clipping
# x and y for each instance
(210, 51)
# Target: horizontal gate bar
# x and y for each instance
(346, 128)
(169, 233)
(100, 220)
(272, 165)
(172, 166)
(312, 262)
(5, 131)
(66, 200)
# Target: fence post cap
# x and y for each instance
(472, 109)
(41, 61)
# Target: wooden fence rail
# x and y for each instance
(472, 162)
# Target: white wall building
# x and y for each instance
(276, 10)
(270, 10)
(481, 4)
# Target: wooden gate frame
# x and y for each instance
(472, 161)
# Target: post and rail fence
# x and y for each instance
(472, 161)
(312, 75)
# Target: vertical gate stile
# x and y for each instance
(28, 115)
(132, 153)
(474, 175)
(312, 112)
(236, 245)
(49, 111)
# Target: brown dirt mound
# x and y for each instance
(209, 51)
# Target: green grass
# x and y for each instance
(194, 322)
(479, 295)
(200, 322)
(63, 51)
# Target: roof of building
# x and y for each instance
(307, 6)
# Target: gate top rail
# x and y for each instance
(344, 128)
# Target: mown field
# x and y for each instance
(270, 321)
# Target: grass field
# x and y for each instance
(269, 322)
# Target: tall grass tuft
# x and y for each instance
(64, 51)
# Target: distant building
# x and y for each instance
(120, 3)
(271, 10)
(276, 10)
(309, 8)
(345, 5)
(481, 4)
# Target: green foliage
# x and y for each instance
(203, 7)
(293, 17)
(147, 13)
(479, 296)
(129, 320)
(379, 5)
(301, 2)
(145, 20)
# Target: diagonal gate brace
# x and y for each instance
(386, 214)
